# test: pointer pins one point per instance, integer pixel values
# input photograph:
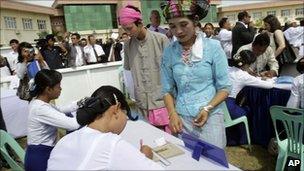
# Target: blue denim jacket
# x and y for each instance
(194, 86)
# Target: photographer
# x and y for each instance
(52, 54)
(27, 55)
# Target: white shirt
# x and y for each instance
(79, 56)
(43, 120)
(267, 58)
(240, 79)
(225, 37)
(12, 58)
(296, 99)
(5, 72)
(295, 35)
(89, 52)
(90, 149)
(243, 23)
(160, 29)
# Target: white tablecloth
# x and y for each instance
(15, 113)
(137, 130)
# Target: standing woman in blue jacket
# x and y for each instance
(194, 75)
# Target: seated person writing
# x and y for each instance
(296, 99)
(98, 145)
(239, 77)
(264, 56)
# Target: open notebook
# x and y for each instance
(167, 151)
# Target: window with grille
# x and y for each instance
(300, 11)
(41, 24)
(231, 17)
(257, 15)
(27, 23)
(285, 13)
(10, 22)
(271, 13)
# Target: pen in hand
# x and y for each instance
(146, 150)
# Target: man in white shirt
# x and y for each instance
(155, 22)
(12, 56)
(265, 56)
(94, 52)
(225, 36)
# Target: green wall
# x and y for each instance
(90, 17)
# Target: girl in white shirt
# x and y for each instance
(98, 145)
(240, 77)
(44, 119)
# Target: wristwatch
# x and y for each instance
(207, 108)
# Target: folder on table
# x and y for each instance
(205, 149)
(167, 151)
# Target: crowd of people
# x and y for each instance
(181, 76)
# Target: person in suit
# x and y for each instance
(76, 53)
(242, 33)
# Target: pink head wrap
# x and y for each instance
(128, 15)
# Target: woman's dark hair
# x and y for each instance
(43, 79)
(246, 57)
(21, 46)
(100, 101)
(273, 22)
(300, 66)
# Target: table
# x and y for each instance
(15, 113)
(136, 130)
(261, 128)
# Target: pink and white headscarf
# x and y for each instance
(128, 15)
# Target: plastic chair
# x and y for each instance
(6, 139)
(229, 122)
(294, 128)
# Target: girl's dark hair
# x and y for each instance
(300, 66)
(43, 79)
(100, 101)
(246, 57)
(21, 46)
(273, 22)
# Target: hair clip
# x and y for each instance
(240, 64)
(115, 97)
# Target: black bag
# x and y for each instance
(287, 56)
(23, 91)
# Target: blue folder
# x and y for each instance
(33, 68)
(209, 151)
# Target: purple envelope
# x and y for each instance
(200, 147)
